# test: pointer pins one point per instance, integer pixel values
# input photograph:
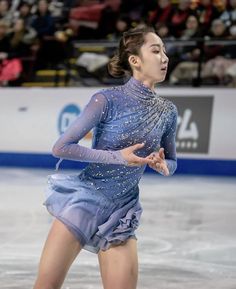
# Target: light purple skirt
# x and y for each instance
(95, 220)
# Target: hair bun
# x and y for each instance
(115, 68)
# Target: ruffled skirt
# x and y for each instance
(95, 220)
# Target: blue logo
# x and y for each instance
(68, 114)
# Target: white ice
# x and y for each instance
(186, 239)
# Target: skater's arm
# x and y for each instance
(67, 147)
(168, 142)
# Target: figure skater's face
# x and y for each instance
(152, 62)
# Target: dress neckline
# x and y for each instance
(139, 90)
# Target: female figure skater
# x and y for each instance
(99, 209)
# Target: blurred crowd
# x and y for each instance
(40, 34)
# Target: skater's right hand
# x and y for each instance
(132, 159)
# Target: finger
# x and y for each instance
(150, 158)
(132, 165)
(153, 167)
(136, 147)
(157, 159)
(164, 170)
(156, 167)
(141, 161)
(161, 168)
(161, 153)
(154, 155)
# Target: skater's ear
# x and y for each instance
(134, 61)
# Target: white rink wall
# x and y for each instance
(32, 119)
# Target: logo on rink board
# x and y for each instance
(68, 114)
(194, 123)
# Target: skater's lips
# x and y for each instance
(164, 68)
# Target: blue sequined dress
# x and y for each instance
(100, 205)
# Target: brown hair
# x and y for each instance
(130, 43)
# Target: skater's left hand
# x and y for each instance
(158, 162)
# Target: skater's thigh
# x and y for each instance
(60, 250)
(119, 266)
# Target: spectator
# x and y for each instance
(179, 17)
(96, 21)
(5, 13)
(232, 31)
(134, 9)
(206, 13)
(122, 24)
(221, 64)
(14, 5)
(218, 30)
(187, 70)
(192, 29)
(109, 18)
(21, 38)
(15, 43)
(185, 59)
(4, 40)
(43, 22)
(220, 69)
(24, 12)
(162, 13)
(10, 66)
(229, 15)
(54, 44)
(163, 30)
(56, 8)
(84, 20)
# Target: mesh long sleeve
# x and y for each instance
(67, 147)
(168, 143)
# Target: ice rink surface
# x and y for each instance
(186, 239)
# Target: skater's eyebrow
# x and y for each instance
(157, 45)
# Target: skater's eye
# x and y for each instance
(156, 51)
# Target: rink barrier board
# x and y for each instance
(31, 120)
(185, 166)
